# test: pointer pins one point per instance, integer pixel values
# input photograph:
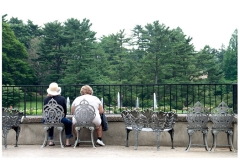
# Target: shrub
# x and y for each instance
(11, 96)
(32, 111)
(164, 108)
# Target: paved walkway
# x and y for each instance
(113, 152)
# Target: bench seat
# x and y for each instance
(149, 121)
(147, 129)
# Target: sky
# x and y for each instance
(208, 22)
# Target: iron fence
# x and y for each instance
(115, 98)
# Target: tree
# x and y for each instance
(230, 58)
(15, 69)
(24, 32)
(115, 46)
(81, 53)
(52, 56)
(179, 61)
(208, 66)
(28, 34)
(165, 54)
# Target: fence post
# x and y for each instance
(25, 103)
(235, 98)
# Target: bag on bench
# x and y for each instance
(104, 122)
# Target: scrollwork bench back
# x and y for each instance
(149, 120)
(11, 119)
(222, 118)
(197, 117)
(52, 116)
(84, 114)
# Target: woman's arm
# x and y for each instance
(101, 110)
(72, 109)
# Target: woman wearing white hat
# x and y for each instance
(54, 92)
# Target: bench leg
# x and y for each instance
(230, 135)
(46, 136)
(78, 135)
(5, 133)
(171, 132)
(136, 139)
(214, 144)
(17, 130)
(127, 131)
(205, 132)
(60, 129)
(190, 133)
(158, 140)
(92, 138)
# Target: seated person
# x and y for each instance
(87, 94)
(54, 92)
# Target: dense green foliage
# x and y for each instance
(15, 68)
(230, 58)
(11, 96)
(69, 53)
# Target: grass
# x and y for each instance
(32, 108)
(35, 108)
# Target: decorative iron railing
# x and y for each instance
(116, 98)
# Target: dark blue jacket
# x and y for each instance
(60, 100)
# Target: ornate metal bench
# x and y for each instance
(84, 114)
(149, 121)
(52, 116)
(197, 118)
(222, 118)
(11, 119)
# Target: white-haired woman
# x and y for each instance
(87, 94)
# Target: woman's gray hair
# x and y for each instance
(86, 89)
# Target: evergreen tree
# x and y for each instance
(15, 69)
(179, 63)
(52, 57)
(209, 68)
(115, 45)
(28, 34)
(230, 58)
(24, 32)
(167, 54)
(81, 60)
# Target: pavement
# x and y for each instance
(113, 152)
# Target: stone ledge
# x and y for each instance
(110, 117)
(38, 119)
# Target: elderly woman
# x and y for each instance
(87, 94)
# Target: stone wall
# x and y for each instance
(32, 133)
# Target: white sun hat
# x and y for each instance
(54, 89)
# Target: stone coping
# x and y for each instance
(110, 117)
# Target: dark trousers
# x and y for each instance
(68, 128)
